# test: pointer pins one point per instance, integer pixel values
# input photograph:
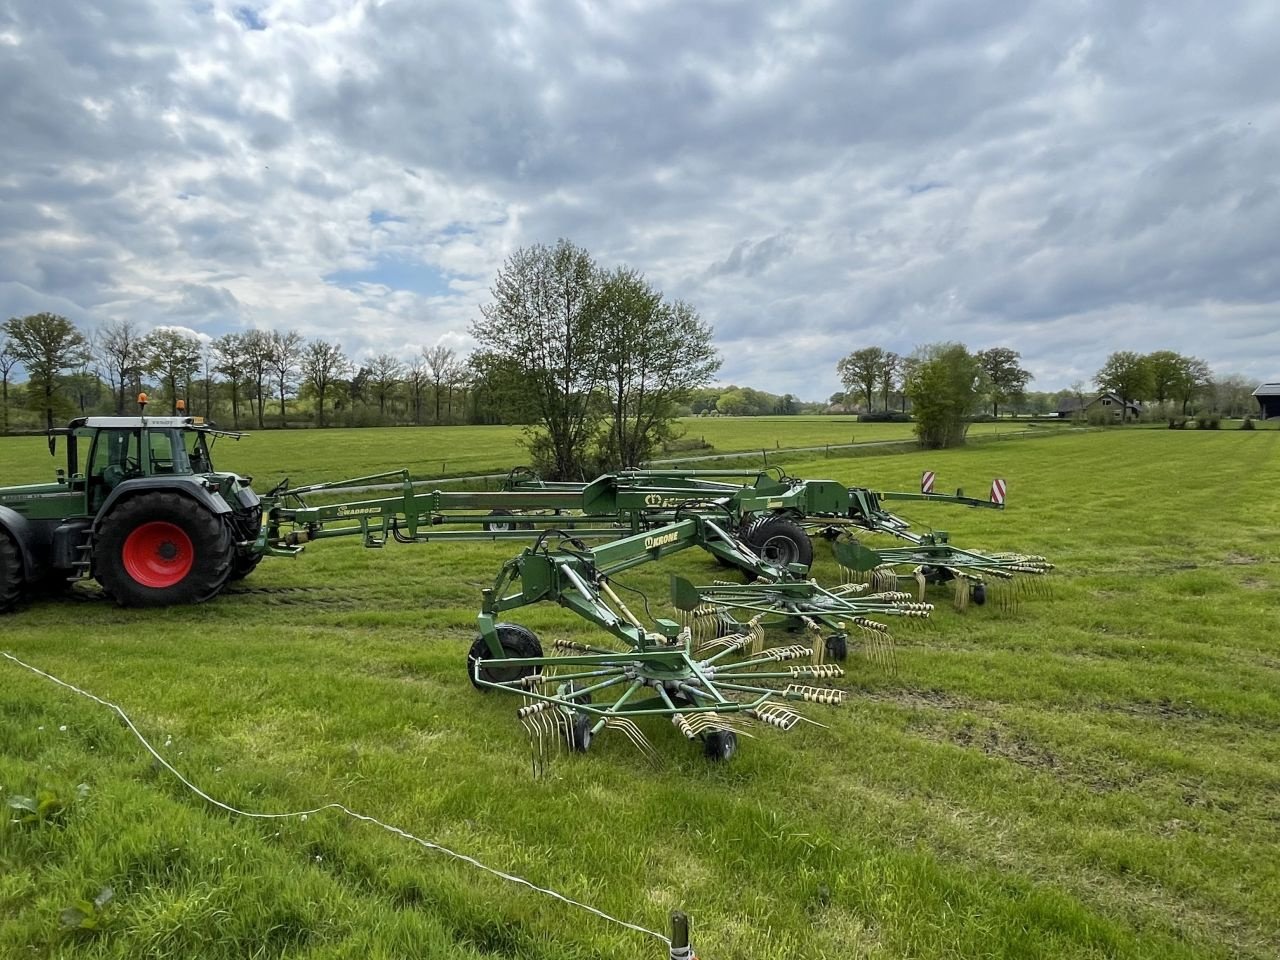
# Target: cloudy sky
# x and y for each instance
(1065, 178)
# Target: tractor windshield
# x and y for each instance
(198, 453)
(168, 455)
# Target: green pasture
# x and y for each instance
(306, 456)
(1095, 775)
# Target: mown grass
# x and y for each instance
(306, 456)
(1095, 775)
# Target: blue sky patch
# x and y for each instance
(398, 274)
(250, 18)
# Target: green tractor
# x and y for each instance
(144, 514)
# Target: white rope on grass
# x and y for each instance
(304, 814)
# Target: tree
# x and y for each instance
(385, 374)
(322, 364)
(285, 352)
(439, 359)
(231, 360)
(544, 319)
(1006, 380)
(944, 388)
(415, 381)
(1233, 395)
(1164, 367)
(890, 367)
(46, 345)
(653, 354)
(861, 371)
(1193, 377)
(257, 359)
(121, 358)
(8, 360)
(174, 357)
(1127, 375)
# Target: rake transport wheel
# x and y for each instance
(979, 594)
(719, 745)
(502, 521)
(10, 573)
(779, 541)
(837, 647)
(159, 549)
(516, 641)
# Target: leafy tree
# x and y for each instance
(1193, 378)
(46, 345)
(1006, 380)
(231, 359)
(544, 320)
(1233, 395)
(8, 360)
(653, 354)
(944, 387)
(1127, 375)
(890, 367)
(1164, 368)
(283, 355)
(439, 360)
(322, 364)
(861, 371)
(174, 357)
(121, 358)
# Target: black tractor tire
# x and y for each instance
(242, 565)
(779, 540)
(10, 573)
(516, 641)
(162, 549)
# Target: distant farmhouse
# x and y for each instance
(1075, 406)
(1269, 399)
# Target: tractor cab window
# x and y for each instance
(198, 453)
(168, 455)
(117, 456)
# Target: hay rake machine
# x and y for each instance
(930, 558)
(710, 687)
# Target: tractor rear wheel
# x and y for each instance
(516, 641)
(10, 573)
(160, 549)
(779, 541)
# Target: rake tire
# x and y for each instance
(837, 647)
(10, 573)
(162, 549)
(779, 540)
(516, 641)
(501, 521)
(978, 594)
(719, 745)
(580, 736)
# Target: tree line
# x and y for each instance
(946, 386)
(252, 377)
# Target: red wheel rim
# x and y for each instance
(158, 554)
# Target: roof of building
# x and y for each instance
(1268, 390)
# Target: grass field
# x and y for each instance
(306, 456)
(1095, 775)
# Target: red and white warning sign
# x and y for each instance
(997, 491)
(926, 481)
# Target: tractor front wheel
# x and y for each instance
(516, 641)
(10, 573)
(160, 549)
